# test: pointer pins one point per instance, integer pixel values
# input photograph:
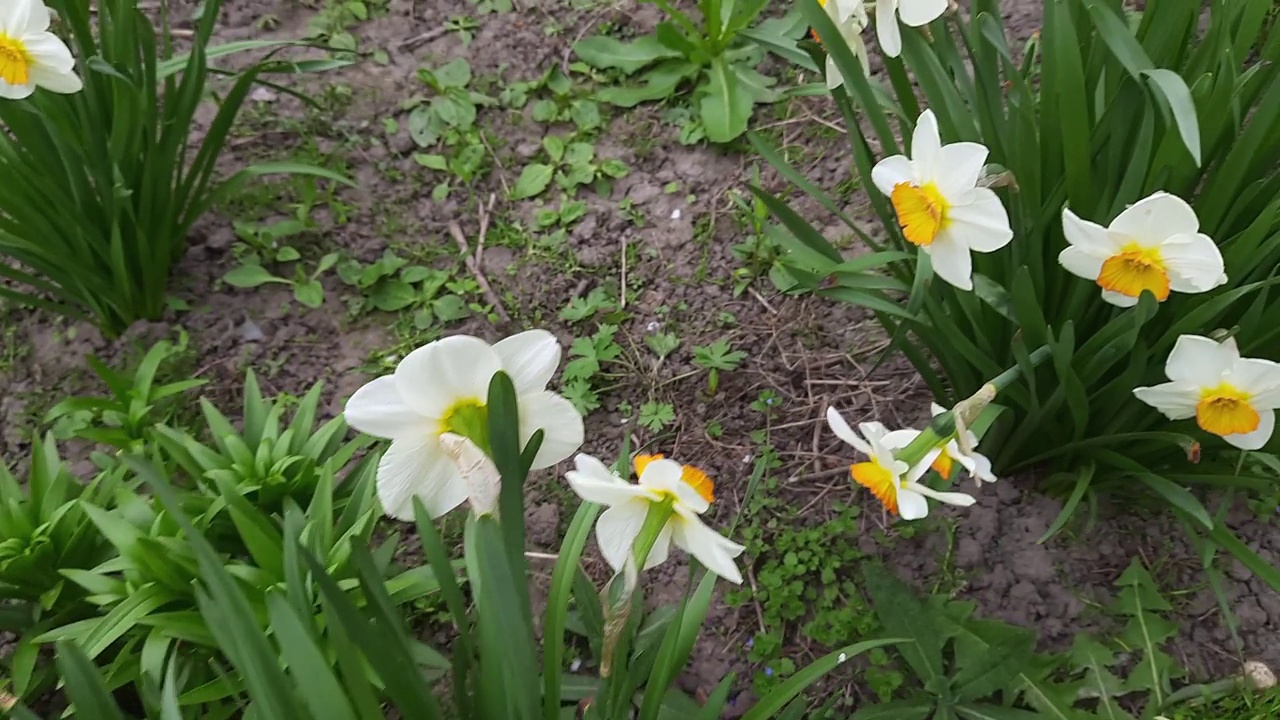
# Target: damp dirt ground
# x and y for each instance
(671, 251)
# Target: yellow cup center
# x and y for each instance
(875, 477)
(1225, 410)
(15, 61)
(470, 419)
(1133, 270)
(922, 211)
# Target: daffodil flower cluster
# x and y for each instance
(433, 410)
(898, 460)
(850, 16)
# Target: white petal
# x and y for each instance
(667, 476)
(434, 377)
(844, 432)
(16, 92)
(376, 409)
(418, 468)
(911, 504)
(834, 78)
(935, 409)
(926, 147)
(1119, 299)
(1200, 361)
(559, 421)
(898, 439)
(530, 358)
(1194, 263)
(592, 467)
(1089, 237)
(58, 82)
(918, 471)
(1177, 401)
(873, 431)
(891, 172)
(1081, 263)
(887, 32)
(1258, 438)
(23, 17)
(951, 262)
(617, 530)
(48, 50)
(921, 12)
(950, 498)
(959, 167)
(603, 490)
(982, 224)
(1260, 378)
(1156, 218)
(711, 548)
(981, 468)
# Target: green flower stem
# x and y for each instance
(942, 429)
(1006, 378)
(654, 522)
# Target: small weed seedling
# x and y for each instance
(392, 284)
(306, 285)
(588, 357)
(572, 165)
(662, 344)
(717, 56)
(714, 358)
(596, 302)
(657, 415)
(446, 124)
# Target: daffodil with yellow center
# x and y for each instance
(1154, 246)
(436, 398)
(892, 479)
(1229, 396)
(938, 202)
(30, 55)
(660, 509)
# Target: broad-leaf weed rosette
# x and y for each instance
(1144, 147)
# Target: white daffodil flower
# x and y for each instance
(442, 388)
(1229, 396)
(684, 492)
(914, 13)
(977, 464)
(850, 16)
(30, 55)
(1155, 245)
(939, 205)
(892, 481)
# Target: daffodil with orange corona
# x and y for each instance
(940, 203)
(1230, 396)
(645, 518)
(1154, 245)
(896, 461)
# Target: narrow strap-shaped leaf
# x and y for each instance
(562, 577)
